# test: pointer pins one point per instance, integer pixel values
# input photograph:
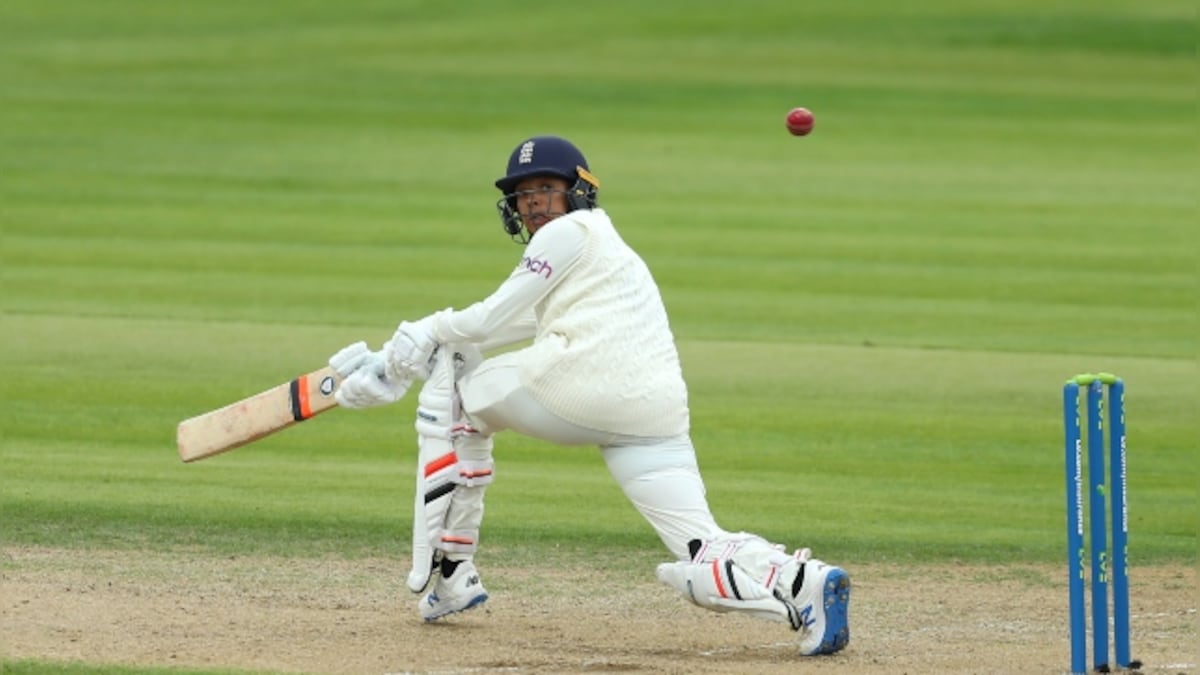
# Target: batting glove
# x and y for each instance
(409, 354)
(350, 358)
(365, 383)
(367, 388)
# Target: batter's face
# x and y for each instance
(540, 200)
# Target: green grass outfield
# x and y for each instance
(201, 200)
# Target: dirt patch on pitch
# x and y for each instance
(340, 616)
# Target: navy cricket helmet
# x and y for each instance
(545, 156)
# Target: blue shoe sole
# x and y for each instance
(836, 596)
(475, 602)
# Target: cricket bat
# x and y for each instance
(260, 415)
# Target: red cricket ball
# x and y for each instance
(800, 121)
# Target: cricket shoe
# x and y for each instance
(460, 591)
(821, 605)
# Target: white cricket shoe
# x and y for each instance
(457, 593)
(822, 604)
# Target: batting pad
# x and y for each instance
(722, 586)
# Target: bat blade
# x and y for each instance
(257, 416)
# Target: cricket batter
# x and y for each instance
(602, 370)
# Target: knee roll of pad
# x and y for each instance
(474, 452)
(474, 473)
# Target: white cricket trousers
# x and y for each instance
(659, 476)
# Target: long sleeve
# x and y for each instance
(507, 315)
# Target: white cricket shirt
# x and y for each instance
(603, 355)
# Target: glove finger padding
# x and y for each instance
(366, 389)
(349, 358)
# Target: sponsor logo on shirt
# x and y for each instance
(539, 267)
